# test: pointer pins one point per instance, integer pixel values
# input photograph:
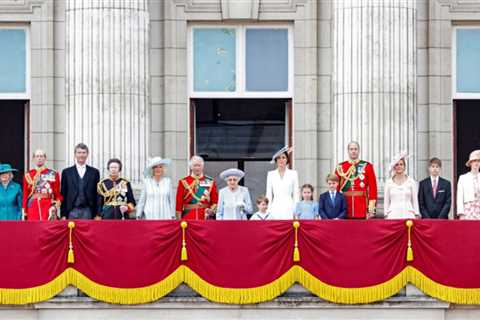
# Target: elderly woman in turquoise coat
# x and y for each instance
(10, 195)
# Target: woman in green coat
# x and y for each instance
(10, 195)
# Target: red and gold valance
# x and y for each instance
(130, 262)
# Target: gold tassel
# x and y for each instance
(184, 256)
(409, 224)
(296, 252)
(70, 258)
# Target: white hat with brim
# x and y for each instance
(280, 152)
(401, 156)
(474, 155)
(233, 172)
(156, 161)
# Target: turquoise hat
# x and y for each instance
(5, 167)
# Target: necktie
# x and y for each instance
(332, 198)
(434, 187)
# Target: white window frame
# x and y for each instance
(455, 93)
(240, 76)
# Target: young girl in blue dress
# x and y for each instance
(307, 208)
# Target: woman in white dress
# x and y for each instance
(234, 201)
(156, 201)
(468, 190)
(282, 187)
(401, 192)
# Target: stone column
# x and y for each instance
(375, 80)
(107, 81)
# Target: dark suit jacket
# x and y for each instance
(69, 188)
(328, 211)
(439, 207)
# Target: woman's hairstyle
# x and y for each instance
(307, 186)
(261, 199)
(114, 160)
(286, 155)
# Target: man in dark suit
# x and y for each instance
(435, 193)
(79, 187)
(332, 204)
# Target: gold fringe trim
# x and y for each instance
(240, 295)
(352, 295)
(97, 291)
(442, 292)
(35, 294)
(127, 295)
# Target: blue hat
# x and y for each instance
(286, 149)
(233, 172)
(5, 167)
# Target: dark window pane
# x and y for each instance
(240, 128)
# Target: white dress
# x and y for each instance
(156, 201)
(234, 205)
(401, 201)
(282, 193)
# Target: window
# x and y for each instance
(241, 133)
(267, 60)
(214, 60)
(14, 55)
(240, 128)
(240, 61)
(466, 61)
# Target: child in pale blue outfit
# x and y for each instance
(307, 209)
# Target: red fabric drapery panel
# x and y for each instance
(353, 254)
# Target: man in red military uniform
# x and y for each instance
(358, 184)
(41, 190)
(197, 195)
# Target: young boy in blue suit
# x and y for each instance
(332, 204)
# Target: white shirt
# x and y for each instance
(332, 195)
(81, 169)
(260, 216)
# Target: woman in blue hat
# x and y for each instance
(10, 195)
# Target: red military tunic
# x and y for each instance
(358, 184)
(194, 195)
(41, 191)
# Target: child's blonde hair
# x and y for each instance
(332, 177)
(307, 186)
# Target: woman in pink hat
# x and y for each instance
(468, 190)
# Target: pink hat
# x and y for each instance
(474, 155)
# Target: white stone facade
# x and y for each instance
(319, 124)
(422, 125)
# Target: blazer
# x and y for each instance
(438, 207)
(328, 211)
(69, 188)
(465, 191)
